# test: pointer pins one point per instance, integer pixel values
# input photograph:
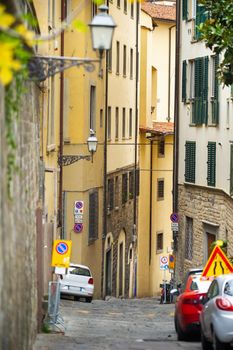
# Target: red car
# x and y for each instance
(189, 305)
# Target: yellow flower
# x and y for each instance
(6, 20)
(7, 62)
(26, 34)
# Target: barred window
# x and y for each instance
(160, 189)
(161, 148)
(159, 241)
(124, 195)
(110, 194)
(131, 184)
(189, 238)
(93, 215)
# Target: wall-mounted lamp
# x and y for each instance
(92, 147)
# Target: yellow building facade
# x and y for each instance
(157, 68)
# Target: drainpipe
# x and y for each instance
(151, 185)
(61, 124)
(169, 74)
(176, 118)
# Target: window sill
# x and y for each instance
(51, 148)
(92, 240)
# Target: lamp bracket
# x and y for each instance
(68, 160)
(42, 67)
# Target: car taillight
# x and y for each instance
(194, 300)
(224, 304)
(91, 281)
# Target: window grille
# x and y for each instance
(159, 241)
(93, 215)
(189, 238)
(124, 195)
(160, 189)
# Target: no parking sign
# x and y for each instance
(61, 253)
(163, 262)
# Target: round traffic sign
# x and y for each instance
(174, 217)
(164, 260)
(78, 227)
(61, 248)
(79, 204)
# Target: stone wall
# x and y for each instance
(204, 205)
(18, 233)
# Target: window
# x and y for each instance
(189, 238)
(92, 107)
(161, 148)
(137, 181)
(117, 57)
(131, 184)
(231, 171)
(132, 9)
(117, 123)
(184, 81)
(200, 112)
(124, 194)
(109, 122)
(160, 189)
(214, 90)
(125, 6)
(211, 163)
(110, 59)
(124, 60)
(190, 161)
(123, 123)
(130, 122)
(116, 192)
(101, 118)
(159, 242)
(119, 3)
(94, 9)
(185, 9)
(93, 215)
(131, 63)
(201, 16)
(110, 194)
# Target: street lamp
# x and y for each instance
(102, 28)
(92, 142)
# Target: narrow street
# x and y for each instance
(138, 324)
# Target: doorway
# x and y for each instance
(108, 269)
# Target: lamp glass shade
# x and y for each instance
(92, 143)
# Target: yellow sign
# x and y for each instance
(217, 264)
(171, 263)
(61, 253)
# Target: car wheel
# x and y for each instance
(76, 298)
(88, 299)
(180, 334)
(218, 345)
(206, 345)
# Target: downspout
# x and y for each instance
(151, 184)
(61, 124)
(105, 173)
(176, 119)
(169, 75)
(135, 148)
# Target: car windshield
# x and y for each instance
(228, 289)
(200, 285)
(81, 271)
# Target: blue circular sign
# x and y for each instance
(62, 248)
(78, 227)
(174, 217)
(79, 205)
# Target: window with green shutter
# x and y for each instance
(211, 163)
(184, 81)
(185, 9)
(190, 161)
(215, 94)
(200, 108)
(201, 17)
(231, 172)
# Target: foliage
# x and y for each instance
(217, 31)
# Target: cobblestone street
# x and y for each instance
(137, 324)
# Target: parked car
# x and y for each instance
(217, 315)
(188, 306)
(78, 282)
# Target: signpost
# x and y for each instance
(217, 264)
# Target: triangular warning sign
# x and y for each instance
(217, 264)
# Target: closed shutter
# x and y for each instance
(211, 163)
(190, 161)
(198, 83)
(93, 215)
(184, 81)
(215, 101)
(185, 9)
(205, 90)
(231, 172)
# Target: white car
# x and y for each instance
(217, 315)
(78, 282)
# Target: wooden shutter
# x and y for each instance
(190, 161)
(215, 101)
(205, 90)
(201, 17)
(198, 83)
(93, 215)
(184, 81)
(231, 172)
(185, 9)
(211, 163)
